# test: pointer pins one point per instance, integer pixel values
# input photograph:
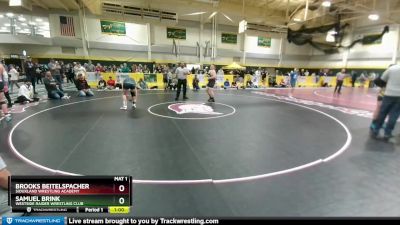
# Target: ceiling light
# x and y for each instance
(242, 26)
(212, 15)
(21, 19)
(7, 24)
(297, 19)
(15, 3)
(326, 3)
(227, 17)
(24, 24)
(32, 23)
(39, 20)
(332, 32)
(1, 16)
(330, 36)
(10, 15)
(373, 16)
(193, 14)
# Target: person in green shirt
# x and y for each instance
(125, 68)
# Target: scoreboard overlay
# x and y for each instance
(86, 194)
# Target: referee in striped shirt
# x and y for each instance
(181, 73)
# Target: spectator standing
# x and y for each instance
(98, 70)
(38, 74)
(30, 73)
(354, 76)
(14, 77)
(165, 78)
(195, 83)
(79, 69)
(390, 104)
(55, 70)
(293, 77)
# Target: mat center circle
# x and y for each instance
(191, 110)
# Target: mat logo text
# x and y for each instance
(197, 108)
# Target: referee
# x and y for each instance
(181, 73)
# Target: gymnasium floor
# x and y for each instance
(253, 153)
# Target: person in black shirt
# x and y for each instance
(30, 71)
(263, 76)
(70, 73)
(354, 76)
(102, 84)
(83, 87)
(165, 78)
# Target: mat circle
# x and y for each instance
(191, 110)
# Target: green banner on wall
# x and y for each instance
(229, 38)
(264, 42)
(113, 27)
(176, 33)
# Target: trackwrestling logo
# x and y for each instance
(196, 108)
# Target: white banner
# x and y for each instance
(121, 77)
(201, 77)
(327, 79)
(91, 77)
(220, 79)
(301, 79)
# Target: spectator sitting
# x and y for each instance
(25, 94)
(272, 81)
(282, 84)
(102, 84)
(226, 84)
(53, 92)
(249, 84)
(110, 83)
(83, 87)
(195, 83)
(173, 84)
(143, 84)
(234, 85)
(118, 84)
